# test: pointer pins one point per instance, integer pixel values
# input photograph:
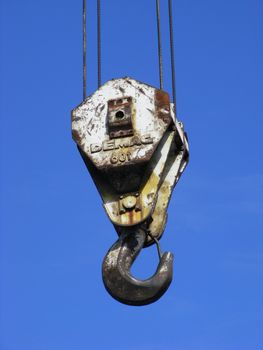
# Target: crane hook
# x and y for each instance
(118, 280)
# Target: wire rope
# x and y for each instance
(160, 57)
(99, 40)
(172, 53)
(84, 43)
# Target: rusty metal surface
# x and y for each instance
(119, 118)
(135, 150)
(147, 194)
(174, 167)
(117, 277)
(149, 114)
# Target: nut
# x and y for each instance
(129, 202)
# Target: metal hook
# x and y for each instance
(117, 277)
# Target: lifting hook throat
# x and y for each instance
(117, 277)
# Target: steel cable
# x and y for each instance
(99, 41)
(84, 42)
(160, 57)
(172, 53)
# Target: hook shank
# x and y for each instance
(117, 277)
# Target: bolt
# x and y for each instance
(129, 202)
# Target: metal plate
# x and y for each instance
(149, 113)
(134, 149)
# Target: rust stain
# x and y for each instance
(119, 129)
(76, 137)
(162, 105)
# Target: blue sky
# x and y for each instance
(54, 232)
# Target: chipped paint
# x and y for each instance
(91, 122)
(135, 150)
